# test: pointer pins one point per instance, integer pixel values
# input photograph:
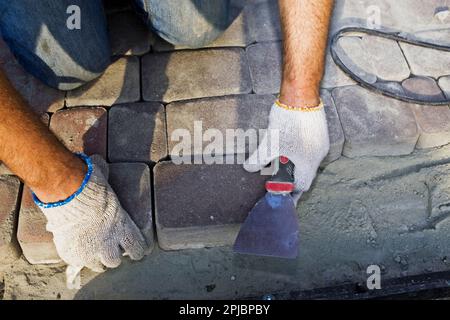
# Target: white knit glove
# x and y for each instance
(303, 138)
(90, 230)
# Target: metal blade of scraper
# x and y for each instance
(271, 228)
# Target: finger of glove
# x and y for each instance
(304, 176)
(101, 164)
(261, 157)
(111, 256)
(132, 241)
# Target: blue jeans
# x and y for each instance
(64, 58)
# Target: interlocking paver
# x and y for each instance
(119, 84)
(373, 124)
(224, 194)
(426, 61)
(264, 21)
(265, 66)
(36, 242)
(9, 192)
(434, 125)
(128, 34)
(333, 76)
(131, 182)
(235, 112)
(444, 84)
(82, 129)
(423, 88)
(185, 75)
(335, 131)
(137, 132)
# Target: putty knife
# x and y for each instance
(271, 228)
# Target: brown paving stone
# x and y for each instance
(434, 125)
(224, 194)
(233, 112)
(265, 66)
(137, 132)
(9, 192)
(119, 84)
(373, 124)
(82, 129)
(423, 88)
(128, 34)
(183, 75)
(131, 182)
(36, 242)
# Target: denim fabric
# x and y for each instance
(192, 23)
(37, 33)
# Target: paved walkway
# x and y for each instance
(383, 196)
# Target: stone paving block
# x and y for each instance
(119, 84)
(423, 88)
(224, 194)
(36, 242)
(333, 76)
(265, 61)
(434, 125)
(186, 75)
(374, 125)
(9, 192)
(128, 34)
(264, 21)
(39, 97)
(137, 132)
(131, 182)
(444, 84)
(426, 61)
(335, 131)
(234, 112)
(82, 129)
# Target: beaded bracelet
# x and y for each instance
(88, 162)
(305, 108)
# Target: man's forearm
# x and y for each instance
(30, 151)
(305, 27)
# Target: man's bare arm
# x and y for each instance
(305, 27)
(32, 152)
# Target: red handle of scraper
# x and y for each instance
(283, 180)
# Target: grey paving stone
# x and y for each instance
(119, 84)
(264, 21)
(34, 239)
(333, 76)
(335, 131)
(9, 193)
(39, 97)
(128, 34)
(137, 132)
(373, 124)
(351, 52)
(224, 195)
(444, 84)
(183, 75)
(131, 182)
(434, 125)
(426, 61)
(224, 113)
(265, 61)
(423, 88)
(81, 129)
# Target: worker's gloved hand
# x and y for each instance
(303, 138)
(90, 229)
